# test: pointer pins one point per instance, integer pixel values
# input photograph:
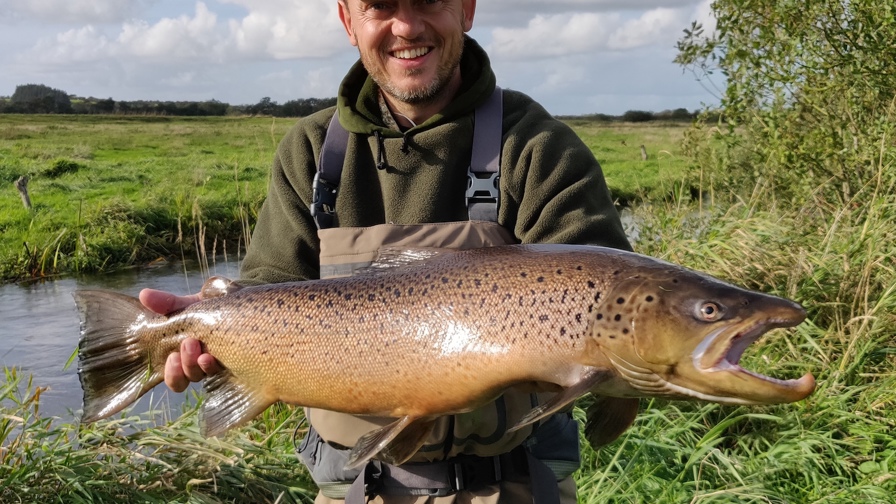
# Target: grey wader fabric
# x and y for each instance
(469, 457)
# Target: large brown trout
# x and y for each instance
(427, 333)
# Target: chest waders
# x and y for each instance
(470, 453)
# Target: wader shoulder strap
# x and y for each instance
(329, 171)
(482, 176)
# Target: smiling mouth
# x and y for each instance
(411, 53)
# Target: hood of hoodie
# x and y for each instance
(358, 101)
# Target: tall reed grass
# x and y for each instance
(836, 446)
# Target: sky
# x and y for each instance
(575, 57)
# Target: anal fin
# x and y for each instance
(608, 417)
(229, 403)
(394, 443)
(588, 380)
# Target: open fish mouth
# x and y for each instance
(722, 350)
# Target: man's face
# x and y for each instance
(411, 48)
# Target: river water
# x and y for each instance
(39, 328)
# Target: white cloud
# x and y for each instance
(179, 38)
(285, 29)
(568, 34)
(656, 26)
(75, 11)
(74, 46)
(556, 35)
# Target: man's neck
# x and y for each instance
(408, 115)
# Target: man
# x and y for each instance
(408, 107)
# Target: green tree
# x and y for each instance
(810, 96)
(40, 99)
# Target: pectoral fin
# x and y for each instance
(588, 380)
(395, 443)
(608, 418)
(229, 403)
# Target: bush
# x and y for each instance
(810, 97)
(61, 166)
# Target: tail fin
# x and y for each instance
(115, 364)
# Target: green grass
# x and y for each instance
(109, 192)
(116, 191)
(617, 147)
(837, 446)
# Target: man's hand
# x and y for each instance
(192, 363)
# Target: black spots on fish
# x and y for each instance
(540, 279)
(445, 280)
(620, 300)
(371, 297)
(625, 330)
(591, 284)
(616, 273)
(617, 317)
(396, 292)
(649, 298)
(347, 296)
(543, 318)
(410, 291)
(600, 316)
(578, 318)
(579, 267)
(524, 274)
(597, 296)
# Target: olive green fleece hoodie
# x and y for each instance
(552, 188)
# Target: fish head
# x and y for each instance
(676, 332)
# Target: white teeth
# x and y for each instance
(411, 53)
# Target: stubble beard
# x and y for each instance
(429, 93)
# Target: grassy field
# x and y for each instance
(113, 191)
(109, 192)
(839, 261)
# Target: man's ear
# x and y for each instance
(469, 13)
(345, 16)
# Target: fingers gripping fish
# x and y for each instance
(443, 332)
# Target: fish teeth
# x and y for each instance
(411, 53)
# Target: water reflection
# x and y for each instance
(39, 327)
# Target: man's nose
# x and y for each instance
(407, 23)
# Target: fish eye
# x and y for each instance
(709, 311)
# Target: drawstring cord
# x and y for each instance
(381, 148)
(380, 151)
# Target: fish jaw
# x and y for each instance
(717, 360)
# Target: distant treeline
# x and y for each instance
(679, 114)
(40, 99)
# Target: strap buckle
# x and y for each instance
(323, 202)
(483, 185)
